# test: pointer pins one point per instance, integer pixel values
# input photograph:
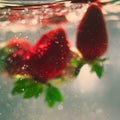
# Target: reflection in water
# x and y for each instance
(101, 98)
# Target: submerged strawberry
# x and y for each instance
(50, 55)
(18, 43)
(14, 61)
(92, 38)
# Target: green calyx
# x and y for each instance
(31, 89)
(4, 52)
(97, 66)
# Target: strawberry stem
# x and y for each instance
(77, 63)
(78, 68)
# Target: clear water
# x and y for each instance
(87, 97)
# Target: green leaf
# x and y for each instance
(27, 87)
(53, 95)
(20, 85)
(78, 68)
(98, 69)
(3, 55)
(77, 63)
(4, 52)
(33, 90)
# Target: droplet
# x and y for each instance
(23, 21)
(24, 67)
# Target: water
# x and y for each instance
(87, 97)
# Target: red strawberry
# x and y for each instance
(92, 38)
(18, 43)
(49, 57)
(14, 61)
(83, 1)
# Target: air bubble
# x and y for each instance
(9, 59)
(62, 58)
(61, 45)
(34, 13)
(23, 89)
(25, 10)
(57, 42)
(23, 21)
(26, 37)
(60, 107)
(34, 22)
(24, 67)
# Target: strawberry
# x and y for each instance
(14, 61)
(92, 38)
(18, 43)
(49, 56)
(83, 1)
